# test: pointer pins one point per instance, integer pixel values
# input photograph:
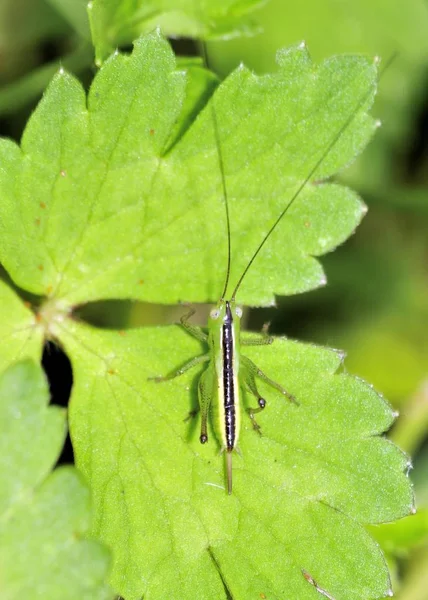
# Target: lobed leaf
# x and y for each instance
(301, 491)
(132, 167)
(44, 517)
(120, 196)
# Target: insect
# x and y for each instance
(228, 371)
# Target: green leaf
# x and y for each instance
(43, 517)
(362, 26)
(75, 13)
(118, 22)
(87, 175)
(20, 334)
(301, 491)
(399, 538)
(121, 196)
(374, 28)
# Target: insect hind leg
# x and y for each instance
(249, 371)
(205, 391)
(253, 369)
(264, 338)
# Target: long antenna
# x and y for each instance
(223, 179)
(319, 162)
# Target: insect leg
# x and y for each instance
(263, 340)
(189, 365)
(251, 385)
(205, 391)
(193, 330)
(252, 368)
(250, 382)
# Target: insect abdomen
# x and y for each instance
(230, 389)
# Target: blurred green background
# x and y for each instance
(375, 305)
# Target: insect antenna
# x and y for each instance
(223, 179)
(316, 166)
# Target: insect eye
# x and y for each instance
(238, 312)
(214, 314)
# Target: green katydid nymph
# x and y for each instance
(229, 372)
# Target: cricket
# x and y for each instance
(228, 371)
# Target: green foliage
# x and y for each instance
(19, 331)
(318, 471)
(121, 197)
(15, 96)
(118, 22)
(44, 517)
(378, 27)
(364, 26)
(400, 537)
(27, 29)
(75, 13)
(84, 176)
(22, 25)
